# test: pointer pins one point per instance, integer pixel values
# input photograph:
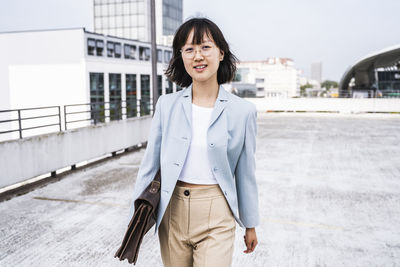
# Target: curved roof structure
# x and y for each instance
(363, 69)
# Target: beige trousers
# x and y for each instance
(198, 229)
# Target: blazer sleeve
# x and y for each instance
(245, 179)
(151, 160)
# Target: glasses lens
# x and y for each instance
(189, 52)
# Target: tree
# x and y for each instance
(303, 89)
(329, 84)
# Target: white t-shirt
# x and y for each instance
(196, 169)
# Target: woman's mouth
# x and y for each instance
(200, 68)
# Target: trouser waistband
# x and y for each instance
(205, 191)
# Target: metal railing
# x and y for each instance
(369, 93)
(20, 118)
(94, 112)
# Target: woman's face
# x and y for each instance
(201, 61)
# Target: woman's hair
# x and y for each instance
(176, 70)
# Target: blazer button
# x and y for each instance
(186, 192)
(215, 169)
(212, 145)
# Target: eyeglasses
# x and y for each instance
(189, 52)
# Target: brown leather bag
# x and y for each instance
(143, 219)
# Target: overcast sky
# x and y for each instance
(335, 32)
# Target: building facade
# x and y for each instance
(316, 71)
(376, 75)
(131, 19)
(73, 66)
(274, 77)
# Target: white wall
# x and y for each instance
(343, 105)
(279, 79)
(41, 68)
(30, 157)
(51, 68)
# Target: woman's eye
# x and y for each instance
(188, 50)
(206, 47)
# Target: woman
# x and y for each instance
(204, 140)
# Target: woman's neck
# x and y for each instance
(204, 94)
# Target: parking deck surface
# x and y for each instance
(329, 191)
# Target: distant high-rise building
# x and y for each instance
(131, 19)
(316, 71)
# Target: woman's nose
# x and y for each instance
(198, 55)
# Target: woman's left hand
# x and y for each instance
(250, 240)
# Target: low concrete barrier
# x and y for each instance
(342, 105)
(33, 156)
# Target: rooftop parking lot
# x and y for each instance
(329, 191)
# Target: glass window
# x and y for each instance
(134, 33)
(125, 8)
(118, 21)
(104, 10)
(127, 50)
(159, 84)
(118, 32)
(126, 21)
(141, 53)
(133, 8)
(127, 33)
(140, 7)
(96, 97)
(147, 53)
(97, 10)
(159, 55)
(91, 44)
(99, 47)
(141, 20)
(117, 50)
(115, 96)
(110, 49)
(104, 22)
(144, 53)
(97, 23)
(111, 10)
(134, 20)
(141, 33)
(118, 9)
(111, 22)
(167, 56)
(145, 94)
(130, 51)
(131, 95)
(169, 87)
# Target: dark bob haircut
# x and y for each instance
(176, 70)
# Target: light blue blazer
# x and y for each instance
(231, 139)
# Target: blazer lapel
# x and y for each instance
(219, 105)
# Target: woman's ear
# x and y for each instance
(221, 57)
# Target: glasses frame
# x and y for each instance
(202, 52)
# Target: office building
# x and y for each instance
(316, 71)
(74, 66)
(131, 19)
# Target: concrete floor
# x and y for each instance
(329, 188)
